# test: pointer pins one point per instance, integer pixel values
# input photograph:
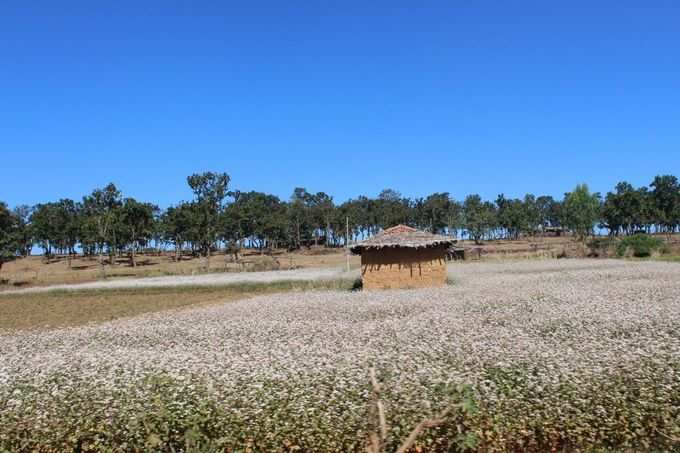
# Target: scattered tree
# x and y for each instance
(8, 245)
(105, 223)
(581, 211)
(137, 224)
(210, 191)
(100, 209)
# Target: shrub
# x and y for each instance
(639, 245)
(600, 247)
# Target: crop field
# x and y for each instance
(522, 356)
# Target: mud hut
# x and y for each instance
(403, 257)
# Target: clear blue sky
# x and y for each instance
(344, 97)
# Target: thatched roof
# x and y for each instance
(402, 236)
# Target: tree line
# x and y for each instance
(104, 223)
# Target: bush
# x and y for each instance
(639, 245)
(600, 247)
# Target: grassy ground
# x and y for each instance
(670, 258)
(35, 271)
(73, 308)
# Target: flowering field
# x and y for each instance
(567, 354)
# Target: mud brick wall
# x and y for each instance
(403, 268)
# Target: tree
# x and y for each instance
(176, 226)
(348, 214)
(628, 210)
(437, 212)
(321, 214)
(105, 223)
(391, 209)
(299, 216)
(262, 218)
(24, 233)
(210, 191)
(454, 217)
(548, 211)
(44, 224)
(100, 208)
(612, 217)
(532, 215)
(666, 202)
(8, 244)
(68, 215)
(480, 217)
(137, 224)
(511, 216)
(581, 211)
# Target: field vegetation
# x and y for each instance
(543, 355)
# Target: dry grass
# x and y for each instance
(74, 308)
(34, 271)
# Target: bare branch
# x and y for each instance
(440, 419)
(383, 422)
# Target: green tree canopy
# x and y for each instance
(210, 190)
(8, 244)
(581, 210)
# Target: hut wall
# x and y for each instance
(403, 268)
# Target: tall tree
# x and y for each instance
(137, 225)
(392, 209)
(581, 210)
(262, 218)
(480, 217)
(666, 199)
(300, 216)
(455, 217)
(24, 233)
(548, 211)
(511, 216)
(321, 214)
(532, 215)
(99, 209)
(622, 209)
(437, 212)
(210, 190)
(8, 245)
(44, 222)
(69, 217)
(176, 224)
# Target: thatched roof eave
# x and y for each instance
(357, 249)
(402, 237)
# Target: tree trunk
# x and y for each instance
(297, 234)
(132, 255)
(102, 267)
(207, 258)
(328, 232)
